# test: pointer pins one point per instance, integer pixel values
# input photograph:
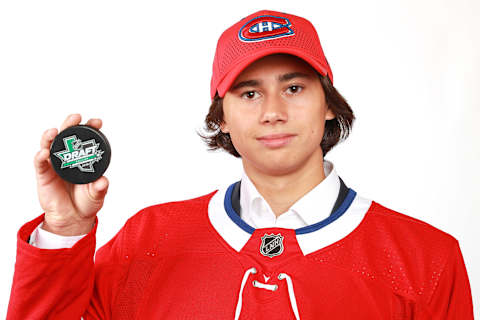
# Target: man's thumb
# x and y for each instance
(98, 188)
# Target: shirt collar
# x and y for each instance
(313, 207)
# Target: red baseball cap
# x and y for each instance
(260, 34)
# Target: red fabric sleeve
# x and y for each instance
(63, 283)
(51, 283)
(452, 299)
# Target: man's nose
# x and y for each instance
(274, 109)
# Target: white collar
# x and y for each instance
(236, 233)
(313, 207)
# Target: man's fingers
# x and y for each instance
(47, 138)
(71, 120)
(94, 123)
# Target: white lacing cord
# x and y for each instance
(238, 309)
(258, 284)
(291, 293)
(271, 287)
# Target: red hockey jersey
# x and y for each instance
(196, 259)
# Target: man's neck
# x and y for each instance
(283, 190)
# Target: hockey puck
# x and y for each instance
(80, 154)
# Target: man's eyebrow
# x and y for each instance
(248, 83)
(291, 75)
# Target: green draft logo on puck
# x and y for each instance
(80, 154)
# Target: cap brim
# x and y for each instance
(229, 79)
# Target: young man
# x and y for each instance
(288, 241)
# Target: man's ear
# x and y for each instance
(224, 127)
(329, 115)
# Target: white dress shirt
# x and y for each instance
(44, 239)
(313, 207)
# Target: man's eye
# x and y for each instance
(294, 89)
(249, 94)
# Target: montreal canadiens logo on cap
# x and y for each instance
(265, 28)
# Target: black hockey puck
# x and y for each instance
(80, 154)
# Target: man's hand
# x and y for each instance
(70, 209)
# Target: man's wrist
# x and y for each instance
(74, 229)
(43, 239)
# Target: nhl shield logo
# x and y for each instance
(265, 28)
(272, 245)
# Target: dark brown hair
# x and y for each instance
(336, 130)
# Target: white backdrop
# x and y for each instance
(409, 69)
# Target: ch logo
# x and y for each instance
(265, 28)
(272, 245)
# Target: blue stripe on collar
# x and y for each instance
(235, 217)
(233, 214)
(334, 216)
